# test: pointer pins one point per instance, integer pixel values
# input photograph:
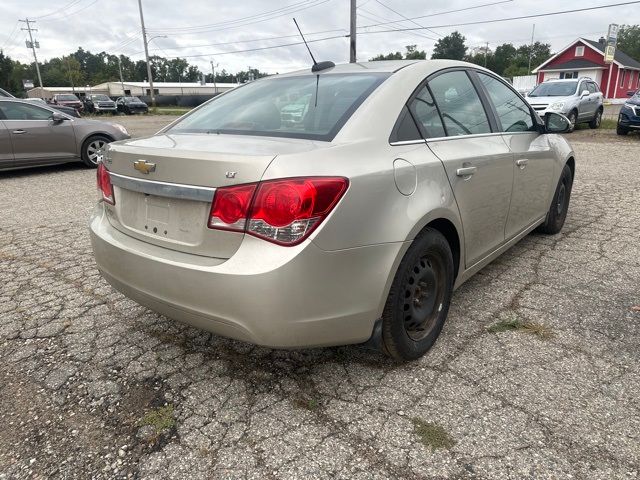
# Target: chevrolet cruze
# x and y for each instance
(351, 221)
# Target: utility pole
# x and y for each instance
(33, 46)
(213, 71)
(121, 80)
(533, 31)
(73, 88)
(146, 55)
(352, 33)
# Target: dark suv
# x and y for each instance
(629, 117)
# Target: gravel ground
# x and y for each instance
(95, 386)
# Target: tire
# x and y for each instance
(557, 213)
(621, 130)
(573, 118)
(419, 298)
(595, 123)
(90, 147)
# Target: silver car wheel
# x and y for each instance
(94, 149)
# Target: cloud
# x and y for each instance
(114, 26)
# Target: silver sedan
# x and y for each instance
(352, 221)
(35, 135)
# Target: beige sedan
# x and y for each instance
(330, 207)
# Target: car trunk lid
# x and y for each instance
(164, 185)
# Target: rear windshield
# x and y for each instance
(132, 99)
(68, 97)
(311, 106)
(554, 89)
(101, 98)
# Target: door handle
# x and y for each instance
(466, 171)
(19, 132)
(522, 162)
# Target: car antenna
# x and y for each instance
(317, 67)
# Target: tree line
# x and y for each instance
(506, 60)
(83, 68)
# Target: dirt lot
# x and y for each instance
(535, 375)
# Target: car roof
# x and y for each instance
(382, 66)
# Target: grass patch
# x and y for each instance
(537, 329)
(169, 111)
(160, 418)
(431, 435)
(609, 123)
(307, 403)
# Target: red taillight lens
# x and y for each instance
(230, 206)
(104, 184)
(282, 211)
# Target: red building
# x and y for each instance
(585, 58)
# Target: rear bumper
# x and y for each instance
(281, 297)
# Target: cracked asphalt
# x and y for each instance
(94, 386)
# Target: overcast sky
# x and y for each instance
(194, 25)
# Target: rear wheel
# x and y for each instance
(419, 298)
(595, 123)
(91, 149)
(621, 130)
(557, 213)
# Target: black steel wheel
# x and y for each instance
(419, 297)
(557, 213)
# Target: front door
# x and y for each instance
(35, 136)
(6, 149)
(478, 163)
(532, 155)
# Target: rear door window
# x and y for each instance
(426, 114)
(459, 104)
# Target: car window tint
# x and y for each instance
(514, 114)
(405, 129)
(459, 103)
(22, 111)
(426, 114)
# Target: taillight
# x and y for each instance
(104, 184)
(282, 211)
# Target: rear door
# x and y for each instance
(532, 155)
(35, 136)
(587, 103)
(452, 115)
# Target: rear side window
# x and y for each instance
(405, 129)
(426, 114)
(514, 114)
(592, 87)
(459, 103)
(305, 106)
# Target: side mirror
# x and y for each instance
(585, 93)
(556, 123)
(58, 117)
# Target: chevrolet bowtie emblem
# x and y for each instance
(144, 166)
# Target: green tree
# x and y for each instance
(450, 47)
(629, 40)
(389, 56)
(413, 53)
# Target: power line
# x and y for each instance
(55, 12)
(242, 21)
(399, 23)
(261, 48)
(405, 17)
(444, 13)
(246, 41)
(10, 37)
(498, 20)
(66, 16)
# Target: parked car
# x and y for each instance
(131, 105)
(34, 135)
(68, 100)
(99, 103)
(68, 110)
(339, 230)
(629, 116)
(580, 100)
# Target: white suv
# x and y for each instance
(579, 99)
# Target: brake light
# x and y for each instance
(104, 184)
(282, 211)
